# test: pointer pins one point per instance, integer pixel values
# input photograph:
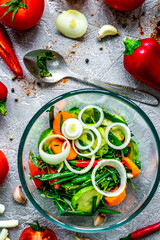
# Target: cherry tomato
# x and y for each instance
(4, 167)
(34, 171)
(3, 91)
(56, 186)
(26, 16)
(125, 5)
(35, 232)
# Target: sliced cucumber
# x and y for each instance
(83, 199)
(134, 154)
(74, 112)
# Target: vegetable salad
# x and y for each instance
(86, 159)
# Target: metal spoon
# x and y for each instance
(59, 70)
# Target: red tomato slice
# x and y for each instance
(125, 5)
(4, 167)
(34, 171)
(30, 234)
(25, 18)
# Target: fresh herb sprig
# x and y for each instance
(42, 64)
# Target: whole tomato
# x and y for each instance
(21, 14)
(125, 5)
(35, 232)
(3, 91)
(4, 167)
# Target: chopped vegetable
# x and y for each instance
(72, 24)
(131, 165)
(3, 234)
(112, 201)
(2, 208)
(57, 121)
(9, 223)
(42, 64)
(72, 129)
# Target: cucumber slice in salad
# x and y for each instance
(46, 133)
(83, 199)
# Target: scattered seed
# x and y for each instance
(73, 51)
(11, 138)
(14, 78)
(87, 60)
(12, 90)
(16, 99)
(38, 84)
(124, 25)
(100, 48)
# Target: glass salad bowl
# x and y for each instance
(149, 154)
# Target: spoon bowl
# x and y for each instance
(59, 70)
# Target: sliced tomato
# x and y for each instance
(56, 186)
(34, 171)
(4, 167)
(31, 234)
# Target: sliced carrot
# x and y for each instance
(112, 201)
(56, 146)
(131, 165)
(57, 121)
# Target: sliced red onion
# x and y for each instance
(127, 133)
(97, 124)
(56, 158)
(121, 170)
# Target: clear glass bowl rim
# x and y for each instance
(46, 106)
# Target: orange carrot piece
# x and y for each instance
(131, 165)
(57, 121)
(112, 201)
(56, 146)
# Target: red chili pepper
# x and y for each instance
(143, 232)
(3, 98)
(141, 59)
(7, 53)
(82, 164)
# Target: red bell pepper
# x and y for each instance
(3, 98)
(7, 53)
(143, 232)
(142, 60)
(82, 164)
(4, 167)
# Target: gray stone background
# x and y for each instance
(106, 65)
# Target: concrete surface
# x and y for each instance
(105, 65)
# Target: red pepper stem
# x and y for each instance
(131, 45)
(2, 108)
(129, 237)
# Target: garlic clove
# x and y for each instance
(107, 30)
(18, 195)
(100, 219)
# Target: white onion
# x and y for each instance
(79, 146)
(72, 128)
(57, 158)
(121, 170)
(83, 170)
(129, 175)
(72, 24)
(125, 129)
(97, 124)
(99, 138)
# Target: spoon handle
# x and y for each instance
(127, 92)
